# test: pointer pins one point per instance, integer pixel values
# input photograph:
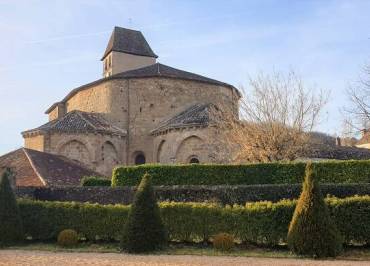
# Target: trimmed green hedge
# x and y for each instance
(262, 222)
(95, 181)
(248, 174)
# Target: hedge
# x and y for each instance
(248, 174)
(224, 194)
(261, 223)
(95, 181)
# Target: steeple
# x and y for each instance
(126, 50)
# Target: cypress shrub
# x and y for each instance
(11, 229)
(144, 230)
(311, 231)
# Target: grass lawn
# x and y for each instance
(358, 253)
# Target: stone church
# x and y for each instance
(141, 111)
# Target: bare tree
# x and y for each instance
(276, 115)
(358, 110)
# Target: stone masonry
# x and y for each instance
(133, 103)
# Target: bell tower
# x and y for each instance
(126, 50)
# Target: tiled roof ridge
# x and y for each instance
(79, 113)
(79, 121)
(183, 115)
(25, 150)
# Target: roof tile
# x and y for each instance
(128, 41)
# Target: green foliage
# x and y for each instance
(68, 238)
(262, 223)
(144, 230)
(312, 231)
(11, 229)
(95, 181)
(248, 174)
(223, 242)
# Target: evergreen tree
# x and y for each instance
(11, 229)
(312, 231)
(144, 230)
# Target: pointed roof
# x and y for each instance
(128, 41)
(38, 169)
(194, 116)
(79, 122)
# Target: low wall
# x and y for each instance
(222, 194)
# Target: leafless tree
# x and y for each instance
(358, 111)
(276, 115)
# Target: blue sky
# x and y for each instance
(48, 48)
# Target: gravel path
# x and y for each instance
(41, 258)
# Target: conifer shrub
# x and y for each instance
(223, 242)
(11, 229)
(312, 231)
(68, 238)
(144, 230)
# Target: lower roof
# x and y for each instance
(195, 116)
(37, 169)
(79, 122)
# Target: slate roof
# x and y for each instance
(160, 70)
(38, 169)
(79, 122)
(155, 70)
(196, 115)
(128, 41)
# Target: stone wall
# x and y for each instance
(137, 105)
(222, 194)
(35, 142)
(154, 100)
(100, 152)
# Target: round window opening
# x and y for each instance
(140, 159)
(194, 160)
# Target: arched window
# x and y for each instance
(194, 160)
(140, 159)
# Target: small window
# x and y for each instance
(194, 160)
(140, 159)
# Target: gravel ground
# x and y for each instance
(40, 258)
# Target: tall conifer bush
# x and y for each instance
(312, 231)
(11, 229)
(144, 230)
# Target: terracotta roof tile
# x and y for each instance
(35, 168)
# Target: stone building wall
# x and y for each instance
(180, 146)
(137, 105)
(99, 152)
(121, 62)
(154, 100)
(96, 99)
(35, 142)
